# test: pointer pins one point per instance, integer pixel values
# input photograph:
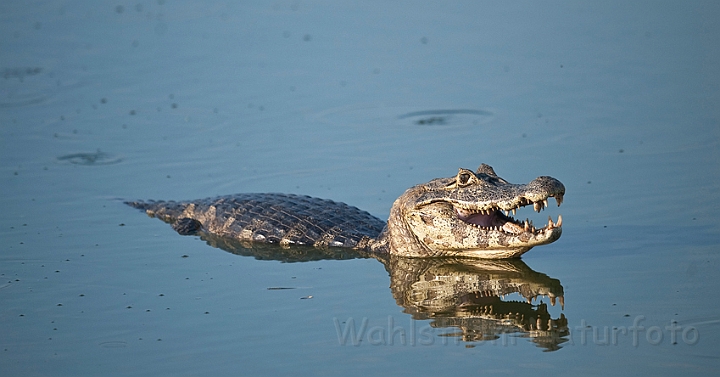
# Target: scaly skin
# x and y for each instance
(458, 216)
(461, 216)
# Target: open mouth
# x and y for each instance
(498, 219)
(489, 297)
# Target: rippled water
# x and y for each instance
(102, 102)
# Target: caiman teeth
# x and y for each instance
(495, 220)
(552, 225)
(540, 204)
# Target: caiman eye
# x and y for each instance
(465, 177)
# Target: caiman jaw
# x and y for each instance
(493, 219)
(463, 216)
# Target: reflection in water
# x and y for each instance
(446, 117)
(365, 114)
(92, 158)
(15, 91)
(467, 294)
(20, 73)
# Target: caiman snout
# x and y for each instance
(545, 186)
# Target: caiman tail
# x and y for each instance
(285, 219)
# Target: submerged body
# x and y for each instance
(456, 216)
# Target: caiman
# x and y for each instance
(468, 215)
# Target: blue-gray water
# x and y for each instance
(355, 102)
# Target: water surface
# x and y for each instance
(106, 101)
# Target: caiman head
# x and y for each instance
(470, 215)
